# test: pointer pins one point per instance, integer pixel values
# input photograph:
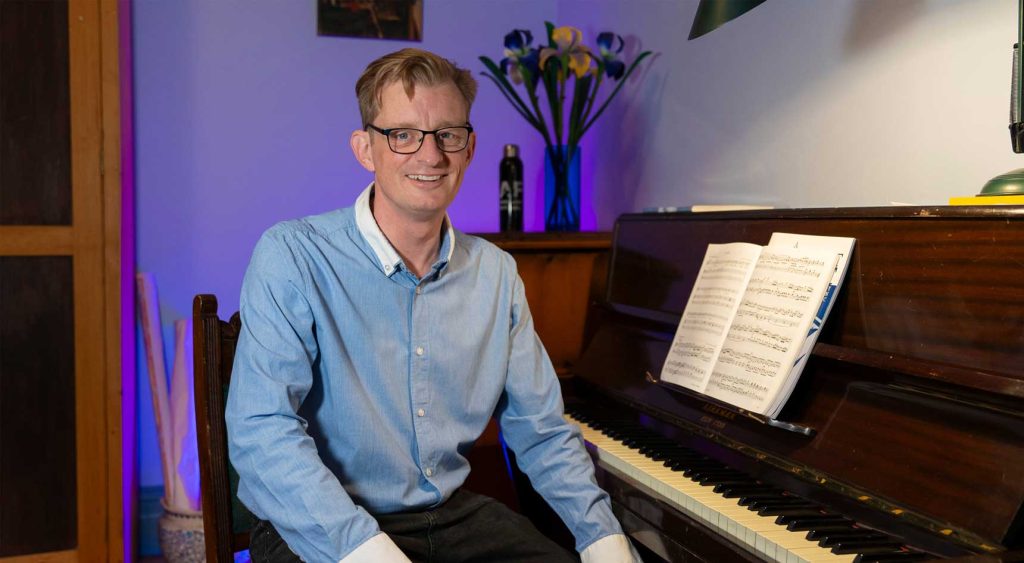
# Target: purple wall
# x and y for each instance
(242, 119)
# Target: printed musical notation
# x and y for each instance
(770, 326)
(779, 289)
(759, 335)
(752, 316)
(710, 310)
(791, 265)
(738, 386)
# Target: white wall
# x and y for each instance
(811, 103)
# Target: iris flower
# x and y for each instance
(519, 55)
(613, 67)
(568, 48)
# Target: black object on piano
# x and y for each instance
(915, 388)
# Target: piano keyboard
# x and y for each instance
(785, 528)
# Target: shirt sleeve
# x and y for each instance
(282, 479)
(548, 449)
(380, 549)
(610, 549)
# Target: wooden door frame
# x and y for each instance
(94, 241)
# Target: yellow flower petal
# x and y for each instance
(579, 63)
(566, 36)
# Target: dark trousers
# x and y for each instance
(468, 528)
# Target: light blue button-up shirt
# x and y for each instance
(358, 388)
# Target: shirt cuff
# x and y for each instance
(378, 549)
(610, 549)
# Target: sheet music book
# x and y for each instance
(753, 317)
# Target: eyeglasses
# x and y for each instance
(405, 140)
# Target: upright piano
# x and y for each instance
(904, 438)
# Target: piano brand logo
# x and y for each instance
(719, 411)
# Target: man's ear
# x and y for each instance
(471, 147)
(360, 143)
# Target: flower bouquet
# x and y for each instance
(564, 58)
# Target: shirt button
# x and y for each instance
(419, 350)
(428, 472)
(419, 290)
(421, 412)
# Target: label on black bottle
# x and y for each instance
(512, 195)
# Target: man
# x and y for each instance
(377, 342)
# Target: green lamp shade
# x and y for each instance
(1011, 183)
(711, 14)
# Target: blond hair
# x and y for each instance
(413, 67)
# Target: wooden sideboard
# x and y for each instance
(562, 274)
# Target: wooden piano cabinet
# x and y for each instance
(562, 274)
(915, 387)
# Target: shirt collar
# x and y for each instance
(386, 254)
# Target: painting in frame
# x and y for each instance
(381, 19)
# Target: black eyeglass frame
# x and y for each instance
(387, 135)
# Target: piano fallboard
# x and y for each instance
(914, 391)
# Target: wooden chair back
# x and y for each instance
(226, 521)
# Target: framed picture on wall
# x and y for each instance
(382, 19)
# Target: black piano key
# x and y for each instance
(892, 557)
(737, 489)
(780, 500)
(652, 450)
(681, 462)
(661, 455)
(849, 538)
(822, 516)
(819, 525)
(616, 435)
(849, 547)
(671, 450)
(819, 535)
(722, 483)
(739, 494)
(712, 477)
(781, 510)
(697, 471)
(689, 469)
(747, 500)
(685, 453)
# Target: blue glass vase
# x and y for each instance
(561, 190)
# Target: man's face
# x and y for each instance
(420, 186)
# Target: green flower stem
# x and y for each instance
(523, 112)
(531, 89)
(593, 96)
(512, 96)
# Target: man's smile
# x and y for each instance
(424, 177)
